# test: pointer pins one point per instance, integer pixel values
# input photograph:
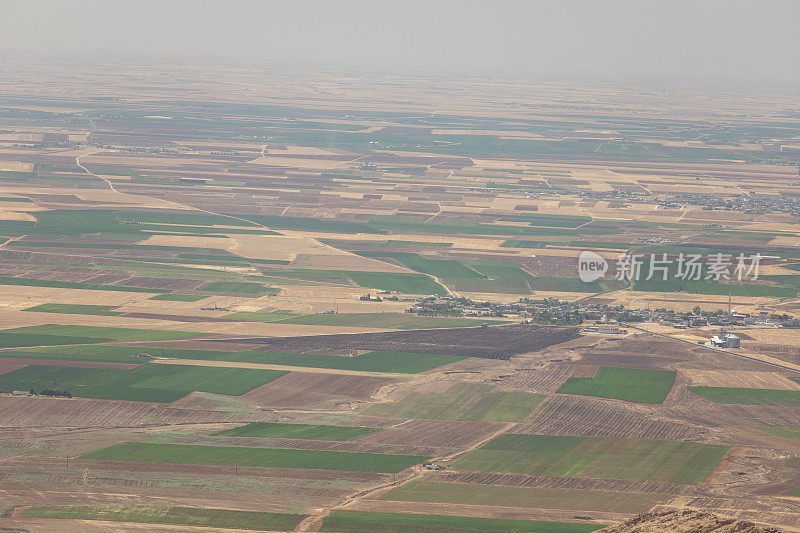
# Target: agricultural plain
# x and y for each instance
(272, 301)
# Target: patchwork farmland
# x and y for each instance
(244, 300)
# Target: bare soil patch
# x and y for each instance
(740, 378)
(456, 434)
(566, 415)
(305, 389)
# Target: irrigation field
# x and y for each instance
(265, 457)
(595, 457)
(297, 431)
(462, 401)
(633, 385)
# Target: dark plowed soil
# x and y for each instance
(499, 342)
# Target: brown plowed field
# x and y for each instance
(704, 413)
(521, 480)
(191, 344)
(24, 411)
(8, 366)
(740, 378)
(781, 512)
(660, 353)
(546, 379)
(565, 415)
(161, 283)
(584, 371)
(458, 434)
(306, 389)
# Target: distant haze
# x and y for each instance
(754, 40)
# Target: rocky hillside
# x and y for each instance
(686, 521)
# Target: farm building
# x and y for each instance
(727, 340)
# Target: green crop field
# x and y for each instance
(30, 282)
(100, 332)
(268, 457)
(171, 271)
(499, 269)
(89, 244)
(253, 316)
(563, 285)
(15, 199)
(530, 497)
(463, 401)
(710, 287)
(392, 223)
(296, 431)
(76, 222)
(554, 221)
(789, 398)
(385, 320)
(312, 224)
(79, 351)
(76, 309)
(595, 457)
(358, 522)
(500, 286)
(183, 261)
(707, 286)
(518, 243)
(631, 384)
(785, 433)
(238, 287)
(384, 281)
(83, 222)
(377, 361)
(190, 218)
(185, 516)
(442, 268)
(179, 297)
(147, 383)
(407, 283)
(14, 338)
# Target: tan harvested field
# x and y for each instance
(545, 379)
(483, 511)
(740, 378)
(303, 389)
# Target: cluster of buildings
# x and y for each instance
(614, 195)
(552, 311)
(725, 340)
(752, 204)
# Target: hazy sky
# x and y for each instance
(756, 40)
